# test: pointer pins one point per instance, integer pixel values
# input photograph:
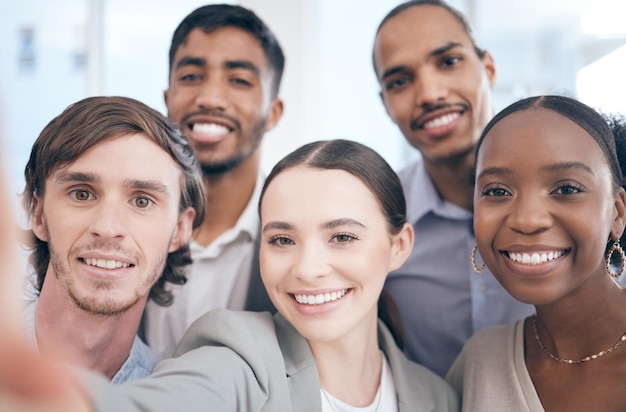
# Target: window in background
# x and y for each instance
(329, 86)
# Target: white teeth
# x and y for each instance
(210, 129)
(535, 258)
(320, 298)
(441, 121)
(106, 264)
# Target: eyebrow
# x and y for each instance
(242, 64)
(229, 65)
(277, 225)
(191, 61)
(434, 53)
(444, 49)
(494, 171)
(80, 177)
(568, 165)
(503, 171)
(331, 224)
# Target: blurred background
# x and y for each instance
(57, 52)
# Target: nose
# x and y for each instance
(108, 220)
(311, 263)
(432, 88)
(213, 94)
(529, 215)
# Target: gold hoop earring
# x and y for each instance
(616, 247)
(482, 266)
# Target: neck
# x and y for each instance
(350, 369)
(570, 328)
(98, 343)
(453, 180)
(228, 195)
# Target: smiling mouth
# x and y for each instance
(106, 264)
(320, 298)
(441, 121)
(535, 258)
(209, 129)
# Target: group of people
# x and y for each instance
(483, 277)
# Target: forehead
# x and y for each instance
(128, 156)
(538, 135)
(417, 30)
(221, 45)
(309, 193)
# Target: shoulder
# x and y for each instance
(415, 384)
(408, 173)
(490, 343)
(225, 327)
(489, 349)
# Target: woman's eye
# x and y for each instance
(344, 237)
(495, 192)
(568, 189)
(281, 241)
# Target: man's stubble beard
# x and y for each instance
(110, 306)
(210, 169)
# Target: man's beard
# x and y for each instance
(95, 305)
(225, 166)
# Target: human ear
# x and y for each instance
(38, 221)
(619, 221)
(275, 113)
(401, 247)
(166, 95)
(184, 229)
(490, 68)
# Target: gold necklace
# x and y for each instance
(572, 361)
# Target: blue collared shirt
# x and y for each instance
(140, 363)
(442, 301)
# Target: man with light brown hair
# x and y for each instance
(113, 192)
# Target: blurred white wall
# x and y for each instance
(329, 88)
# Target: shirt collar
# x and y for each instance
(247, 225)
(422, 197)
(249, 220)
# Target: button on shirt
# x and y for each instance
(442, 301)
(140, 363)
(217, 278)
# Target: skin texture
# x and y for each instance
(526, 204)
(120, 210)
(331, 236)
(544, 186)
(427, 69)
(222, 79)
(437, 90)
(27, 381)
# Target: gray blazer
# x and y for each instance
(247, 361)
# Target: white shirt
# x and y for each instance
(217, 278)
(385, 400)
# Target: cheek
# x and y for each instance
(176, 103)
(485, 224)
(398, 108)
(273, 268)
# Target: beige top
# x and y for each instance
(491, 372)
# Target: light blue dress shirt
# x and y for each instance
(442, 301)
(140, 363)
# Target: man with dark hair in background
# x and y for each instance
(225, 72)
(436, 87)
